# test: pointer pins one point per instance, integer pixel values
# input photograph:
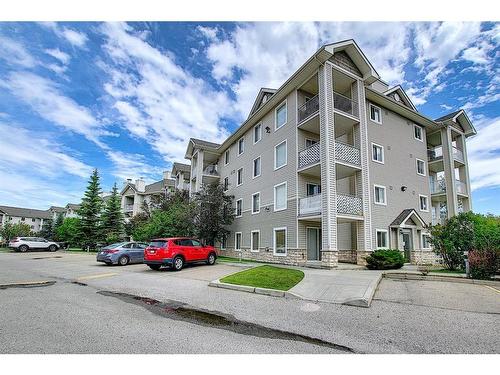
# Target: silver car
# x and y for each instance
(24, 244)
(122, 253)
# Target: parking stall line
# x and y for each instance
(492, 288)
(98, 276)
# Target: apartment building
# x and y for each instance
(33, 218)
(133, 195)
(335, 164)
(182, 173)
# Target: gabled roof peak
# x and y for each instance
(404, 98)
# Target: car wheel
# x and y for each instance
(23, 248)
(154, 267)
(123, 260)
(52, 248)
(178, 263)
(211, 259)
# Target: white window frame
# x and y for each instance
(237, 174)
(422, 239)
(236, 208)
(426, 202)
(236, 242)
(383, 153)
(386, 238)
(259, 125)
(285, 104)
(226, 188)
(258, 208)
(370, 113)
(226, 157)
(286, 196)
(274, 241)
(416, 166)
(238, 146)
(251, 241)
(375, 195)
(421, 139)
(253, 167)
(286, 154)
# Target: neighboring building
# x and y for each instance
(335, 164)
(70, 210)
(33, 218)
(133, 195)
(181, 173)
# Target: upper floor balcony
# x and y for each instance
(309, 109)
(211, 170)
(438, 187)
(346, 205)
(344, 153)
(345, 105)
(435, 158)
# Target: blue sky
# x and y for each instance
(125, 98)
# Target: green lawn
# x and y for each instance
(233, 260)
(270, 277)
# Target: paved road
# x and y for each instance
(183, 315)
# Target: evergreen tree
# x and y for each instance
(112, 218)
(90, 213)
(47, 230)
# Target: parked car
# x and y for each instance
(122, 253)
(176, 252)
(24, 244)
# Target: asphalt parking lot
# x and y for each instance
(94, 308)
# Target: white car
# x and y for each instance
(24, 244)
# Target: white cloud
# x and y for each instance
(157, 99)
(127, 165)
(76, 38)
(484, 154)
(14, 53)
(44, 97)
(446, 107)
(208, 32)
(56, 53)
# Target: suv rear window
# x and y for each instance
(158, 243)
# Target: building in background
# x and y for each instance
(29, 216)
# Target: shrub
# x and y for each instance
(483, 263)
(385, 260)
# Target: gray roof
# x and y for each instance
(181, 167)
(57, 209)
(73, 206)
(26, 212)
(159, 186)
(203, 143)
(448, 116)
(403, 215)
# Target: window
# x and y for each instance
(33, 220)
(380, 194)
(382, 240)
(420, 167)
(279, 241)
(423, 203)
(375, 114)
(417, 130)
(426, 241)
(255, 203)
(310, 142)
(226, 157)
(257, 133)
(22, 219)
(239, 177)
(255, 240)
(223, 244)
(280, 157)
(280, 195)
(237, 240)
(239, 207)
(226, 183)
(313, 189)
(281, 115)
(256, 167)
(32, 227)
(241, 146)
(377, 153)
(195, 243)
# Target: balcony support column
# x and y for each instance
(467, 202)
(449, 172)
(329, 251)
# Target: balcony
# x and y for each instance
(128, 208)
(458, 155)
(310, 206)
(438, 186)
(309, 156)
(461, 187)
(436, 153)
(349, 205)
(347, 153)
(346, 105)
(211, 170)
(308, 109)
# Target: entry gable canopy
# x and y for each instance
(369, 74)
(408, 217)
(398, 92)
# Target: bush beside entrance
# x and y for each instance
(385, 260)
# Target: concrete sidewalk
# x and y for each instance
(348, 287)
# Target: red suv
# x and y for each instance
(175, 252)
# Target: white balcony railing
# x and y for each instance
(438, 186)
(349, 204)
(458, 154)
(347, 153)
(211, 170)
(345, 104)
(310, 205)
(309, 156)
(461, 187)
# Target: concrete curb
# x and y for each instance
(248, 289)
(435, 277)
(367, 298)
